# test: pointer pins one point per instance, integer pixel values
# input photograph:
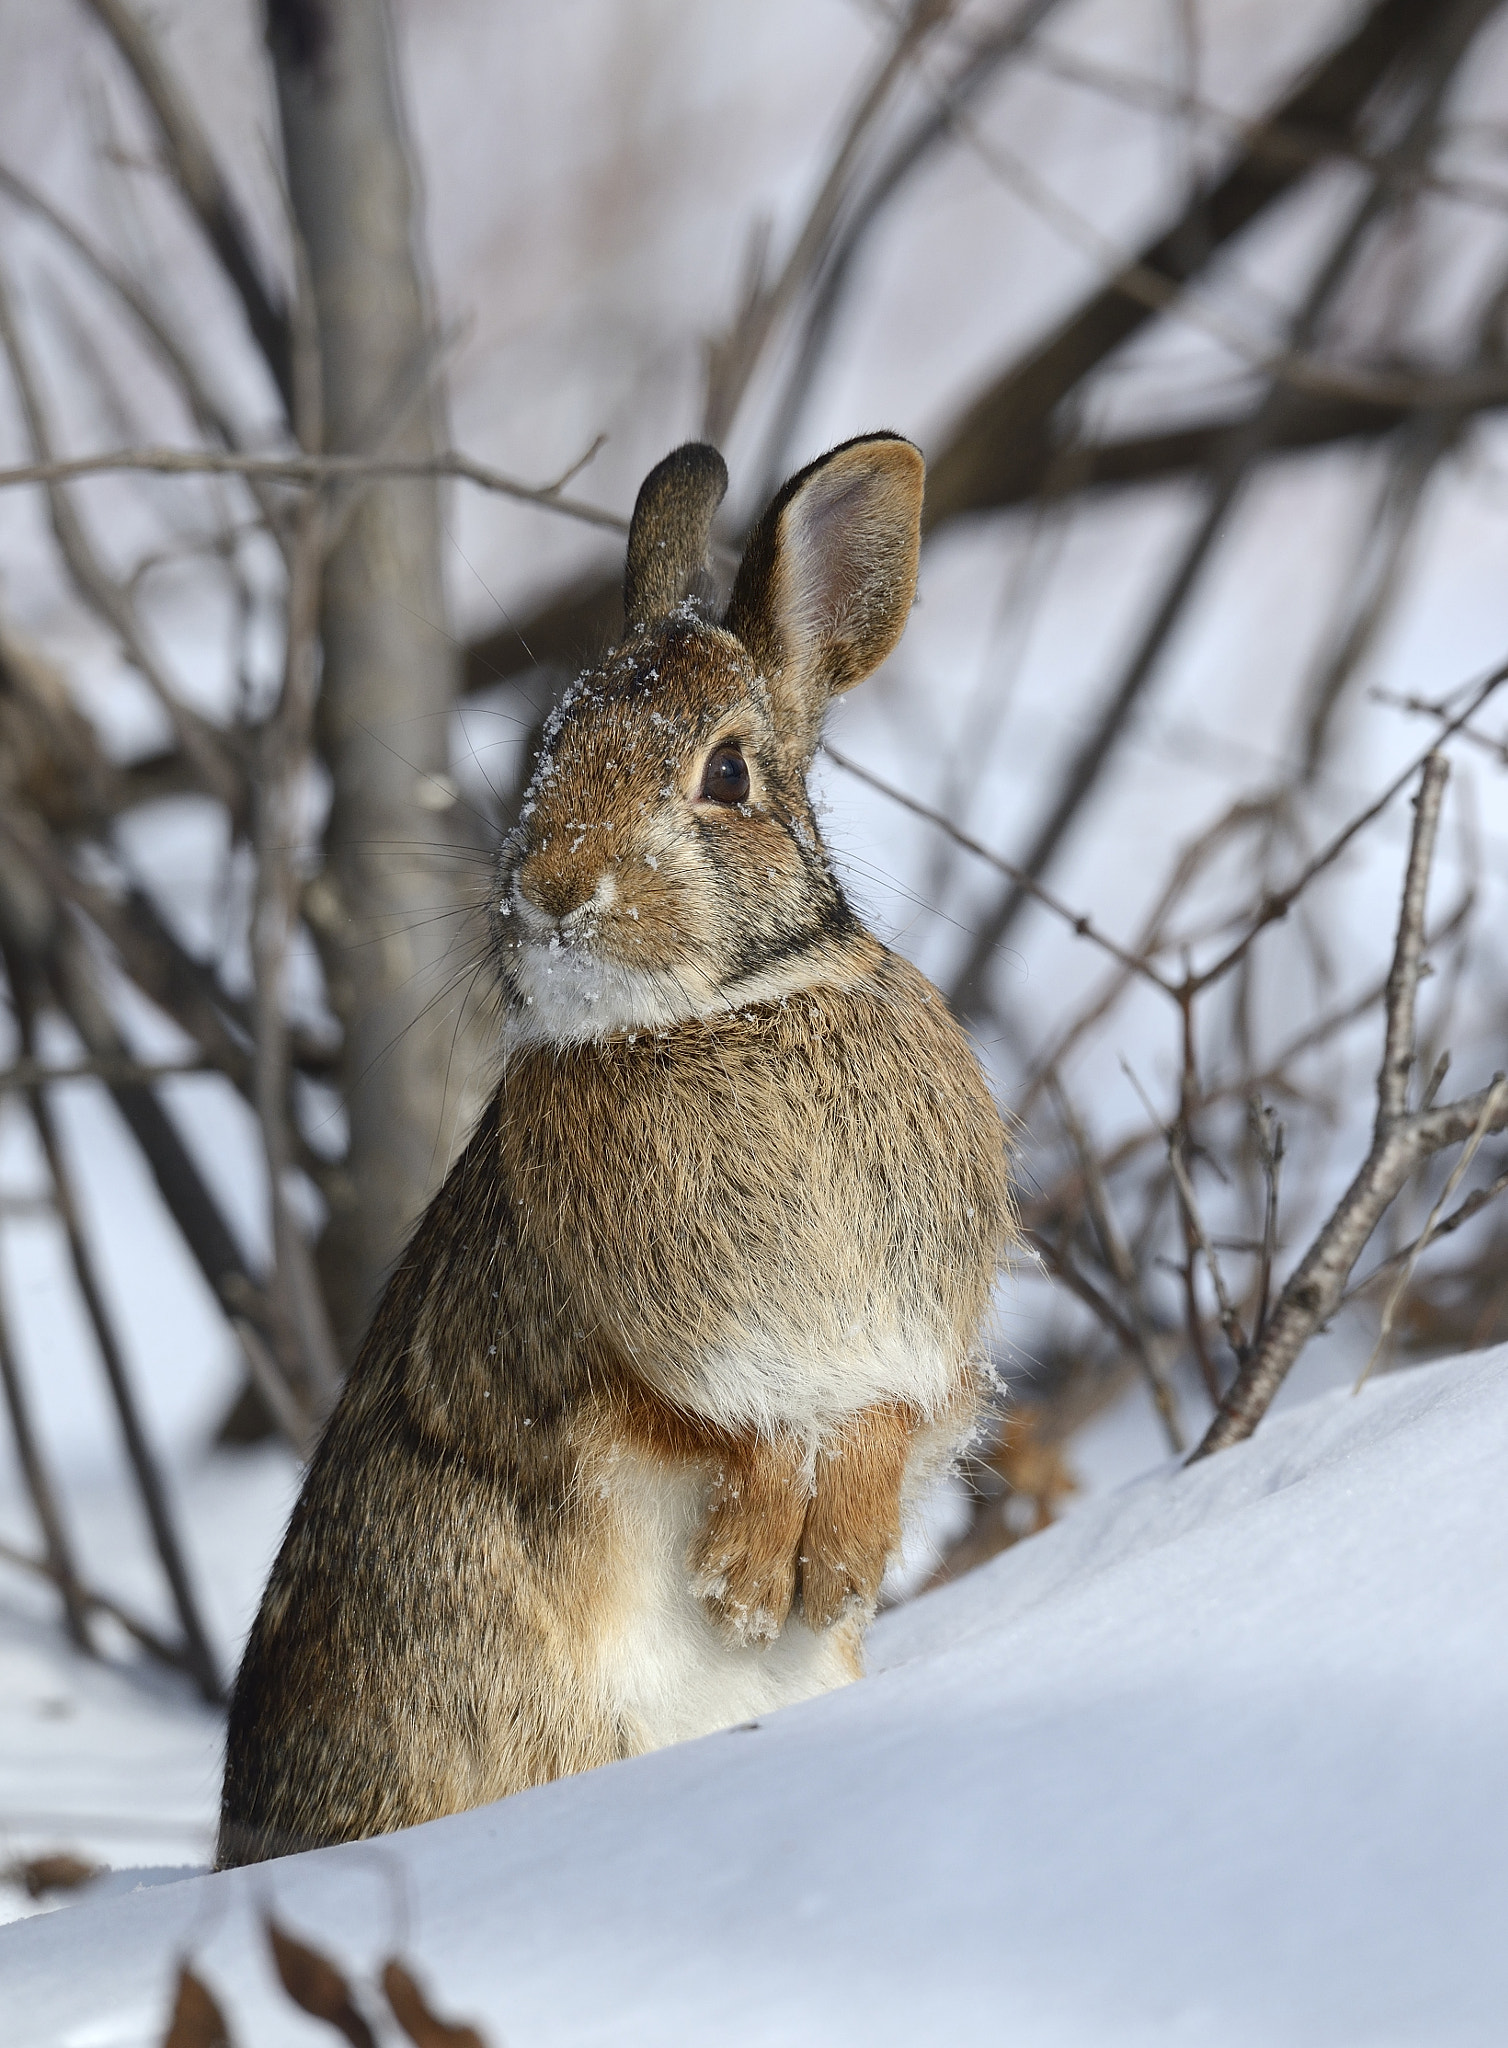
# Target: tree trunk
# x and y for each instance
(390, 673)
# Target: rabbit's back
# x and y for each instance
(419, 1646)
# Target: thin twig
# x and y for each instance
(1497, 1095)
(57, 1558)
(1230, 1319)
(865, 207)
(1004, 428)
(1401, 1142)
(1268, 1133)
(313, 469)
(1082, 926)
(153, 957)
(1276, 904)
(1475, 1202)
(1230, 473)
(198, 739)
(1426, 707)
(191, 162)
(733, 358)
(1060, 1262)
(199, 1657)
(288, 1411)
(1117, 1256)
(1273, 141)
(284, 753)
(201, 400)
(1302, 369)
(172, 1654)
(30, 1073)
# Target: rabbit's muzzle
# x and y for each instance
(564, 889)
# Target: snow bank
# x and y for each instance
(1220, 1759)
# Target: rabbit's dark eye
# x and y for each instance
(726, 780)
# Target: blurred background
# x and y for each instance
(377, 317)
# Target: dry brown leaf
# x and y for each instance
(415, 2017)
(197, 2021)
(58, 1872)
(314, 1983)
(1029, 1456)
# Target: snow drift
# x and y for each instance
(1219, 1759)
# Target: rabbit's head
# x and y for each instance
(666, 862)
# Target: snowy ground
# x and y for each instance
(1219, 1759)
(121, 1766)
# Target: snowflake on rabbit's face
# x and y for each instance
(666, 863)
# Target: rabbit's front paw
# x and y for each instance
(743, 1564)
(854, 1520)
(831, 1582)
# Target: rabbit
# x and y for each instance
(701, 1306)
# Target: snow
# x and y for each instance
(119, 1763)
(1211, 1759)
(1217, 1759)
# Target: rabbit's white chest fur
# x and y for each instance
(665, 1672)
(812, 1379)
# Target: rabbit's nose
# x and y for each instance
(557, 884)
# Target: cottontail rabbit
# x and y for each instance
(624, 1454)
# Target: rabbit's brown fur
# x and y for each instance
(624, 1455)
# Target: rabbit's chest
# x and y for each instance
(812, 1372)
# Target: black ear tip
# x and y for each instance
(694, 463)
(687, 485)
(670, 529)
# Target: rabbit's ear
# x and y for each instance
(829, 575)
(669, 532)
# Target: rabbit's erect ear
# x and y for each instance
(829, 575)
(669, 532)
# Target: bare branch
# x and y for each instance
(173, 1655)
(1060, 1262)
(57, 1560)
(1408, 952)
(1007, 424)
(1274, 141)
(72, 974)
(733, 358)
(284, 759)
(1475, 1202)
(1230, 473)
(1302, 369)
(1401, 1143)
(1497, 1098)
(195, 736)
(1277, 904)
(1230, 1320)
(982, 64)
(201, 401)
(284, 1404)
(1428, 708)
(1118, 1260)
(30, 1073)
(1082, 926)
(192, 163)
(1268, 1133)
(315, 469)
(199, 1657)
(156, 961)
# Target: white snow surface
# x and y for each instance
(1218, 1759)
